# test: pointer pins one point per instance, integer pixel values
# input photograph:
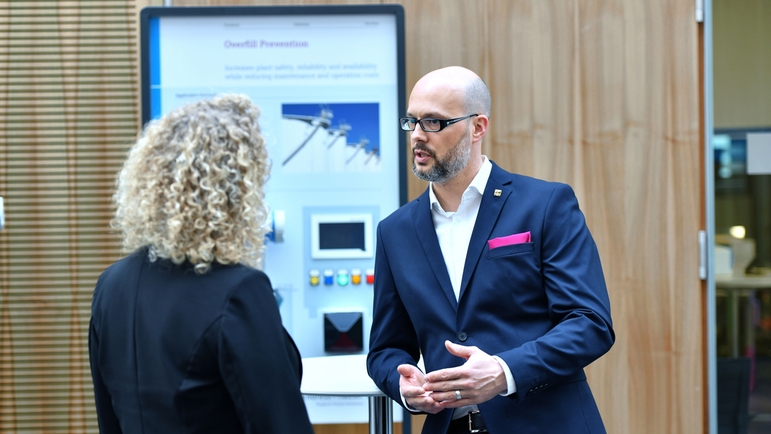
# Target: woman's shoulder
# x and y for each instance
(241, 282)
(125, 265)
(239, 272)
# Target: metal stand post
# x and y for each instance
(380, 415)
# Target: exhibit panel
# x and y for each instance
(329, 82)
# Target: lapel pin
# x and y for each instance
(497, 193)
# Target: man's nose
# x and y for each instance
(418, 135)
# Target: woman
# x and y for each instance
(185, 332)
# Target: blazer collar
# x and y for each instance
(496, 194)
(424, 226)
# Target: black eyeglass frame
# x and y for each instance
(405, 122)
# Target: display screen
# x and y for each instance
(341, 236)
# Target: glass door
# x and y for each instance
(741, 180)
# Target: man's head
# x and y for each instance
(458, 101)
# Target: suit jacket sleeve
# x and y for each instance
(260, 364)
(394, 341)
(578, 303)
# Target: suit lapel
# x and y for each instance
(489, 211)
(424, 226)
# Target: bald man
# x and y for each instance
(492, 277)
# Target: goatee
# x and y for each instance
(446, 168)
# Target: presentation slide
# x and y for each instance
(326, 84)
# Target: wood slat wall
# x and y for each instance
(68, 92)
(601, 94)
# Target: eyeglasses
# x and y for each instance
(430, 125)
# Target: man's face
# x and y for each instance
(438, 156)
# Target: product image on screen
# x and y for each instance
(331, 138)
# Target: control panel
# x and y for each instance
(327, 194)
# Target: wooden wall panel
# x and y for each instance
(608, 102)
(603, 95)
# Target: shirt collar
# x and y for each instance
(477, 185)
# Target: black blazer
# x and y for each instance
(176, 352)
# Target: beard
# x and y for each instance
(446, 168)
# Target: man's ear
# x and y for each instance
(479, 127)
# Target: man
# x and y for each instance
(492, 277)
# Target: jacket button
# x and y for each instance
(462, 336)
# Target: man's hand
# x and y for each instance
(478, 380)
(411, 386)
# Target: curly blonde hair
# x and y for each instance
(192, 186)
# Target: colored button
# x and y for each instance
(356, 276)
(329, 277)
(342, 277)
(370, 276)
(313, 277)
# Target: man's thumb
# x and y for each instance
(459, 350)
(405, 370)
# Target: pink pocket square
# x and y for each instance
(508, 240)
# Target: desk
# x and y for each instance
(734, 287)
(743, 282)
(347, 376)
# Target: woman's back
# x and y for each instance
(175, 351)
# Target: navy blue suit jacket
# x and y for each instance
(176, 352)
(541, 306)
